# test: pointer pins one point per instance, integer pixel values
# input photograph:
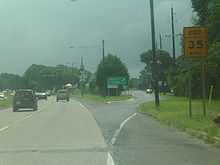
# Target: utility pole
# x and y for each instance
(72, 68)
(103, 49)
(155, 68)
(173, 36)
(161, 44)
(82, 76)
(103, 59)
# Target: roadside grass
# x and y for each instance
(173, 111)
(6, 103)
(99, 98)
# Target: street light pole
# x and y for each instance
(103, 49)
(161, 42)
(155, 75)
(173, 36)
(82, 76)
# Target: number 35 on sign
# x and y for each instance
(195, 42)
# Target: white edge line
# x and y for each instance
(117, 132)
(110, 160)
(4, 128)
(20, 120)
(83, 106)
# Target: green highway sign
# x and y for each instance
(117, 81)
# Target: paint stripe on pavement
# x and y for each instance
(110, 160)
(117, 132)
(3, 128)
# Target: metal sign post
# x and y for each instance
(196, 46)
(190, 94)
(204, 87)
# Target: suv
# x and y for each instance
(62, 95)
(24, 98)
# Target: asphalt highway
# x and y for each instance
(58, 133)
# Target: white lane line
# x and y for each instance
(117, 132)
(83, 106)
(110, 160)
(20, 120)
(4, 128)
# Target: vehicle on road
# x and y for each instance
(2, 96)
(149, 90)
(24, 99)
(48, 93)
(62, 95)
(41, 95)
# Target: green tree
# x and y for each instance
(111, 66)
(164, 62)
(11, 81)
(208, 12)
(48, 77)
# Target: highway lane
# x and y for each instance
(110, 116)
(59, 133)
(143, 140)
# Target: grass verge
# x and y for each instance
(6, 103)
(101, 99)
(174, 112)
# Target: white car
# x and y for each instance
(2, 96)
(149, 90)
(41, 95)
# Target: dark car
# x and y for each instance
(24, 99)
(63, 95)
(41, 95)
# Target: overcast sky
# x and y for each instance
(41, 31)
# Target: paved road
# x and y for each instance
(67, 133)
(59, 133)
(143, 140)
(110, 116)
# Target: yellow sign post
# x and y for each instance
(195, 42)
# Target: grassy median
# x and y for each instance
(99, 98)
(174, 112)
(6, 103)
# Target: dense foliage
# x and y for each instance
(111, 66)
(164, 63)
(11, 81)
(48, 77)
(208, 15)
(40, 77)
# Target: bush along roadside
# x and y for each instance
(174, 112)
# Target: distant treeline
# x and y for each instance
(41, 77)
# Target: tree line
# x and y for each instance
(39, 77)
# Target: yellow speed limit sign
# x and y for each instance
(195, 42)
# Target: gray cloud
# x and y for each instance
(41, 31)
